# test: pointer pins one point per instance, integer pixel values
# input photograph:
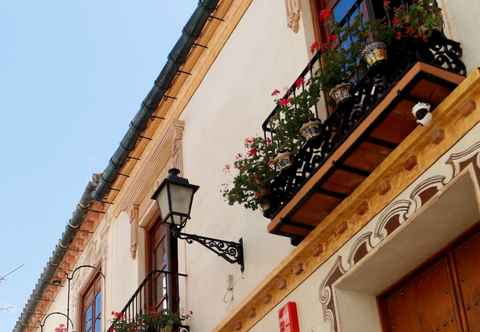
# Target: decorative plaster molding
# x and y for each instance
(177, 146)
(419, 196)
(133, 230)
(293, 14)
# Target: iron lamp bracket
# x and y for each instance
(232, 252)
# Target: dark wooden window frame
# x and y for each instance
(94, 282)
(320, 31)
(172, 261)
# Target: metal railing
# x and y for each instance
(158, 292)
(370, 85)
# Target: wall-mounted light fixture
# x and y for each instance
(175, 197)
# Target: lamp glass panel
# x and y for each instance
(181, 198)
(162, 199)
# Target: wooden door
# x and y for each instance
(443, 295)
(425, 302)
(467, 263)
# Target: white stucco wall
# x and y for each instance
(462, 20)
(262, 54)
(122, 274)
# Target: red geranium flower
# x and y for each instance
(332, 38)
(395, 21)
(386, 3)
(324, 15)
(314, 47)
(398, 35)
(325, 47)
(252, 152)
(283, 102)
(299, 82)
(275, 92)
(117, 315)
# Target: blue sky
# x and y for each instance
(72, 75)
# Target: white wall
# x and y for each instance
(231, 104)
(122, 273)
(462, 19)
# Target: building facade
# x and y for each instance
(372, 228)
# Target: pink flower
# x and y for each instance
(227, 168)
(238, 156)
(299, 82)
(249, 140)
(117, 315)
(61, 328)
(275, 92)
(283, 102)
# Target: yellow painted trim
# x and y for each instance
(456, 115)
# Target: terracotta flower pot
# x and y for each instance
(283, 160)
(374, 53)
(311, 129)
(340, 93)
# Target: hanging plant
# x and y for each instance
(418, 20)
(252, 171)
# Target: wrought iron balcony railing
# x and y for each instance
(370, 86)
(157, 293)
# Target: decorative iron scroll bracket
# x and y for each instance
(232, 252)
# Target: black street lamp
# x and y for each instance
(175, 197)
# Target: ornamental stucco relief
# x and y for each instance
(395, 214)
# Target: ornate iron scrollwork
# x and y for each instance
(232, 252)
(446, 53)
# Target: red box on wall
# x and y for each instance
(288, 318)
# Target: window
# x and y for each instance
(92, 307)
(343, 11)
(162, 256)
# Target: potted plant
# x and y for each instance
(339, 59)
(376, 35)
(120, 324)
(254, 170)
(419, 19)
(163, 321)
(294, 122)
